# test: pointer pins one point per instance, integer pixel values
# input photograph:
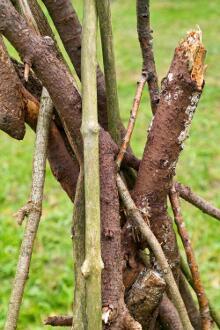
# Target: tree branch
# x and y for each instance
(200, 292)
(59, 321)
(206, 207)
(11, 103)
(34, 213)
(156, 249)
(145, 39)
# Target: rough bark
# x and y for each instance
(144, 296)
(11, 103)
(69, 28)
(180, 94)
(59, 321)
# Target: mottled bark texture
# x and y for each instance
(181, 90)
(168, 315)
(68, 25)
(144, 296)
(59, 321)
(11, 102)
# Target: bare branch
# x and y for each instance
(145, 39)
(186, 193)
(38, 178)
(200, 292)
(59, 321)
(156, 249)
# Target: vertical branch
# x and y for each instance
(34, 211)
(200, 292)
(104, 13)
(92, 265)
(145, 39)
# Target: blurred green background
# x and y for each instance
(49, 289)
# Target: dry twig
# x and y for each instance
(38, 177)
(200, 292)
(186, 193)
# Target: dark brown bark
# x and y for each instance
(206, 207)
(11, 103)
(69, 28)
(59, 321)
(112, 283)
(145, 39)
(179, 97)
(168, 315)
(144, 296)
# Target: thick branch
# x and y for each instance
(206, 207)
(200, 292)
(179, 98)
(156, 249)
(11, 104)
(168, 315)
(59, 321)
(34, 211)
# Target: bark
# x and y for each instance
(34, 212)
(93, 265)
(59, 321)
(179, 97)
(144, 296)
(168, 315)
(206, 207)
(155, 246)
(70, 29)
(11, 103)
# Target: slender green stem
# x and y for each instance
(92, 265)
(114, 120)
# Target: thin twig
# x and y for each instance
(156, 249)
(38, 177)
(186, 193)
(200, 292)
(59, 321)
(214, 314)
(133, 116)
(145, 39)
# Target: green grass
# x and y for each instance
(49, 289)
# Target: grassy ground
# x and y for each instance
(49, 289)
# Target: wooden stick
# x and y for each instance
(131, 123)
(93, 264)
(38, 177)
(114, 120)
(156, 249)
(214, 314)
(186, 193)
(145, 39)
(200, 292)
(59, 321)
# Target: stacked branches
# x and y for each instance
(121, 307)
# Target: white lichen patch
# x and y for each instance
(170, 76)
(189, 112)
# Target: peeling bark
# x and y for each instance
(180, 94)
(11, 104)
